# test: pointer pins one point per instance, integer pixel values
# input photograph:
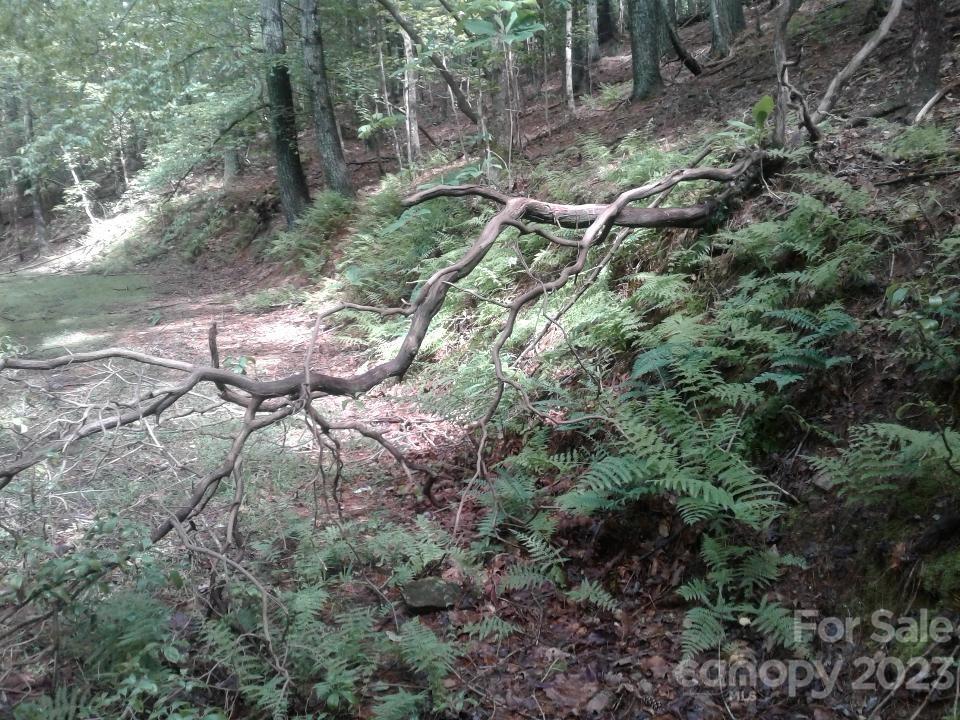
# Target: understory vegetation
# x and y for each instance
(498, 434)
(690, 361)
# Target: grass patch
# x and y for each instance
(45, 311)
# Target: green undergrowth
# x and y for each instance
(308, 243)
(187, 226)
(678, 377)
(727, 333)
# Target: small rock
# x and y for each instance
(824, 482)
(599, 702)
(430, 594)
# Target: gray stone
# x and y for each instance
(430, 594)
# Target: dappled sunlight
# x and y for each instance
(105, 237)
(44, 310)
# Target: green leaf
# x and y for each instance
(762, 110)
(475, 26)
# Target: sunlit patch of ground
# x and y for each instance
(105, 239)
(42, 310)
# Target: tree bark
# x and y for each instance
(621, 21)
(781, 52)
(462, 102)
(593, 31)
(568, 57)
(410, 79)
(232, 167)
(721, 34)
(930, 37)
(581, 54)
(645, 28)
(82, 193)
(686, 58)
(329, 148)
(294, 195)
(36, 188)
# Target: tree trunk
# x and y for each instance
(593, 31)
(36, 188)
(735, 16)
(929, 40)
(329, 148)
(82, 194)
(623, 20)
(721, 33)
(410, 80)
(581, 53)
(645, 47)
(568, 57)
(232, 167)
(726, 22)
(294, 195)
(669, 22)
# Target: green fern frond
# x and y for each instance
(592, 593)
(702, 630)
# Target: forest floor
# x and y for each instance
(565, 662)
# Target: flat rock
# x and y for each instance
(429, 594)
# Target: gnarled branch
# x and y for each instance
(269, 401)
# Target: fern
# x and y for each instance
(885, 457)
(592, 593)
(399, 705)
(702, 630)
(490, 627)
(526, 576)
(778, 625)
(427, 654)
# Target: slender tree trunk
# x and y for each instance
(36, 188)
(329, 148)
(581, 51)
(726, 22)
(17, 202)
(462, 102)
(622, 22)
(568, 57)
(294, 195)
(232, 167)
(720, 31)
(410, 80)
(82, 194)
(929, 40)
(735, 16)
(645, 47)
(781, 53)
(39, 215)
(669, 22)
(593, 31)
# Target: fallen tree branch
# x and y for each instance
(832, 94)
(937, 97)
(686, 58)
(266, 402)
